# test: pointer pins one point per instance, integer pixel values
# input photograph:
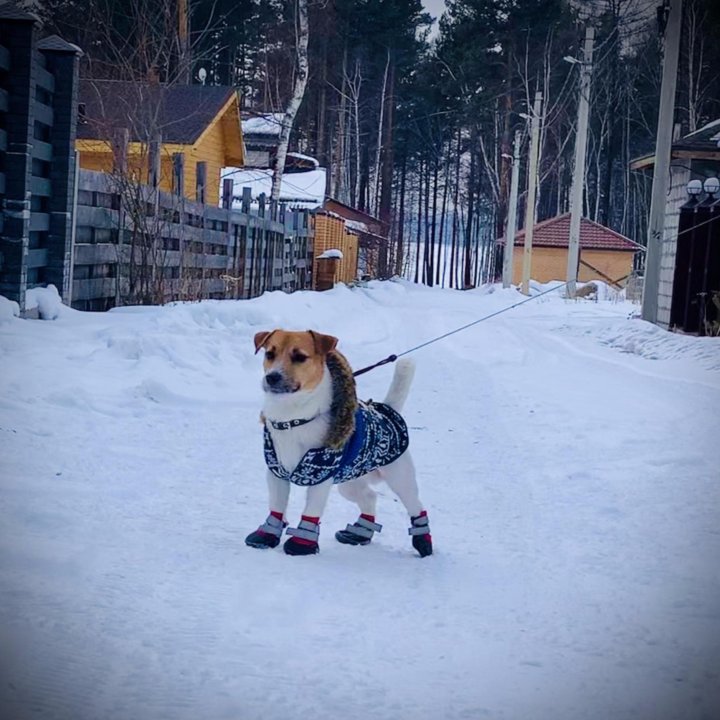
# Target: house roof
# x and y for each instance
(706, 137)
(269, 125)
(180, 112)
(555, 232)
(703, 143)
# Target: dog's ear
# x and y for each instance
(323, 343)
(261, 339)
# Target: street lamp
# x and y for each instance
(694, 187)
(711, 185)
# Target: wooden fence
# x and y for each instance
(182, 250)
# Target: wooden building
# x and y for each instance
(372, 252)
(331, 233)
(604, 254)
(195, 129)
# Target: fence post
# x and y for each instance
(246, 200)
(178, 174)
(200, 181)
(227, 193)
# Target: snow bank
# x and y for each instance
(9, 309)
(47, 300)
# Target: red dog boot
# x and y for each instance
(360, 532)
(268, 534)
(304, 540)
(420, 532)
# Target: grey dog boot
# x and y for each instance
(360, 532)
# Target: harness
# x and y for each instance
(380, 437)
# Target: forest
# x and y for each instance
(414, 117)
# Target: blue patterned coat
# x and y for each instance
(380, 437)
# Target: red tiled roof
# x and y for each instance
(555, 232)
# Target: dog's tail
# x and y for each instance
(400, 386)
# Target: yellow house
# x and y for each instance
(198, 129)
(604, 254)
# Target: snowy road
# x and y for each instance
(564, 454)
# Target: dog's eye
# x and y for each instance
(299, 358)
(270, 355)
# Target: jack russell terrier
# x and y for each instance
(318, 434)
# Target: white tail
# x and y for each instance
(400, 386)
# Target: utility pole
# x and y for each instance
(511, 227)
(532, 191)
(578, 181)
(661, 170)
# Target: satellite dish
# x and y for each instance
(202, 75)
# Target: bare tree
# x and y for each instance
(302, 35)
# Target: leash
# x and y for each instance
(393, 358)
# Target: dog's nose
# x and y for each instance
(273, 378)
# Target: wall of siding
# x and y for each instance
(551, 264)
(330, 234)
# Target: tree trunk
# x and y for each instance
(337, 181)
(442, 249)
(400, 231)
(467, 269)
(419, 225)
(303, 35)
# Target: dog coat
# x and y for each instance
(379, 438)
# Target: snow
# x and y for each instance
(307, 158)
(269, 124)
(47, 300)
(357, 225)
(332, 254)
(9, 309)
(564, 452)
(301, 189)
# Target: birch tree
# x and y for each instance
(302, 36)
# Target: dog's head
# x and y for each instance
(293, 360)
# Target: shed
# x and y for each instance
(604, 254)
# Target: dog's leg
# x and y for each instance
(362, 530)
(400, 476)
(269, 533)
(304, 540)
(278, 493)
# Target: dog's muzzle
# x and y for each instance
(276, 382)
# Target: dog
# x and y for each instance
(317, 434)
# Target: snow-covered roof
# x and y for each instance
(357, 226)
(706, 137)
(269, 124)
(305, 158)
(332, 254)
(300, 189)
(709, 127)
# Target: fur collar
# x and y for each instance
(344, 403)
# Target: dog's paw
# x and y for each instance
(420, 533)
(260, 539)
(423, 544)
(295, 546)
(347, 537)
(360, 532)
